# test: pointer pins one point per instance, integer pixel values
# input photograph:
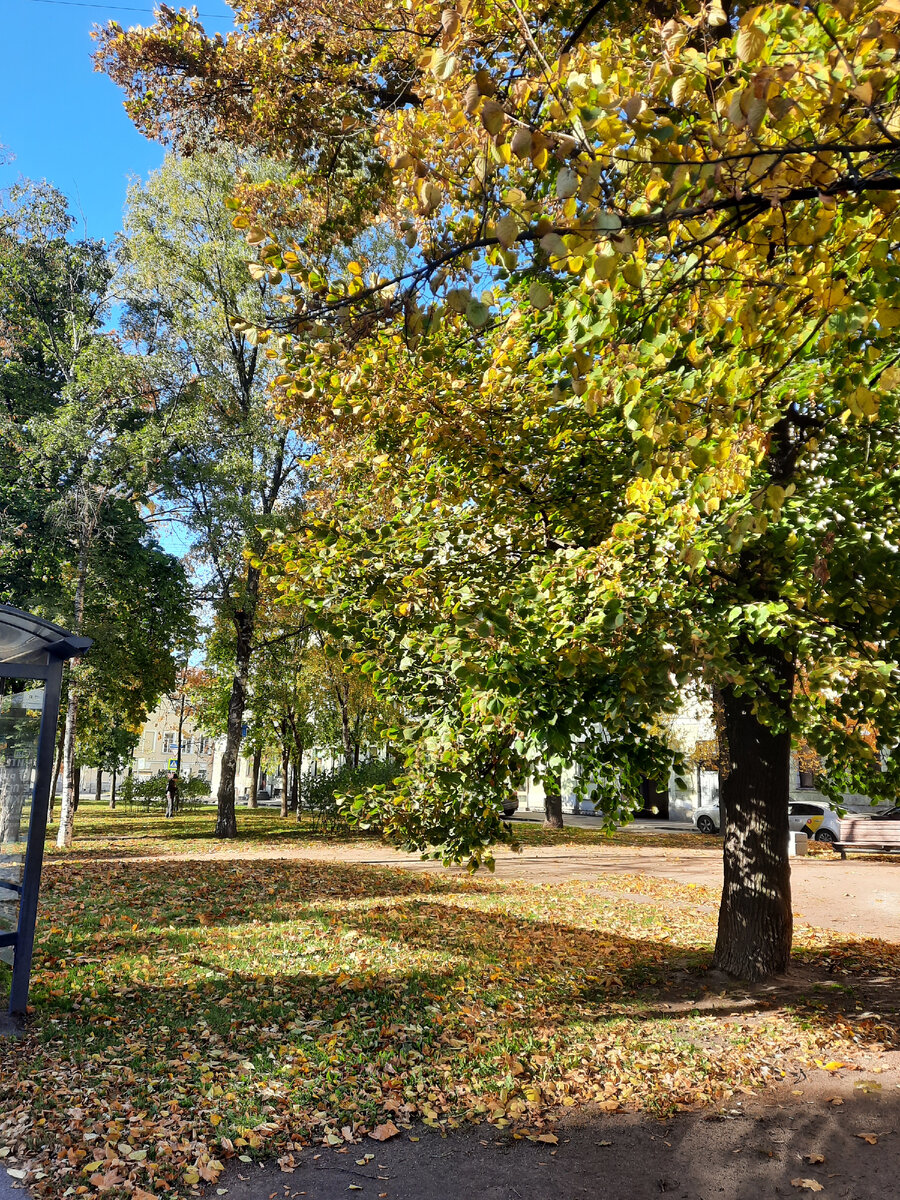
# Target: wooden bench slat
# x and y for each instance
(866, 836)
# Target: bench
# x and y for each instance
(862, 835)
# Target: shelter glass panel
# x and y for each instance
(21, 709)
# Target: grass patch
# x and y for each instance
(187, 1010)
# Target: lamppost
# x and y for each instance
(32, 654)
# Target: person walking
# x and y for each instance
(171, 794)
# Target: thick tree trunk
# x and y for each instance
(755, 921)
(252, 801)
(553, 814)
(226, 821)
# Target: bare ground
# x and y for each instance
(778, 1144)
(860, 896)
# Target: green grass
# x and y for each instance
(195, 1000)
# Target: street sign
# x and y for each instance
(173, 764)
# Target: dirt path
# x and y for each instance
(857, 896)
(758, 1148)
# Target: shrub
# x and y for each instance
(152, 791)
(323, 794)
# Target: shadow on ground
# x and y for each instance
(757, 1150)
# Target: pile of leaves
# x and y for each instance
(250, 1006)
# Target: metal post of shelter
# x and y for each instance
(33, 651)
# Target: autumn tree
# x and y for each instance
(228, 466)
(661, 252)
(74, 475)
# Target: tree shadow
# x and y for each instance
(128, 834)
(564, 973)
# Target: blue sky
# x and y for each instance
(63, 121)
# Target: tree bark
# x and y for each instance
(180, 731)
(112, 790)
(285, 769)
(346, 733)
(70, 784)
(252, 801)
(13, 793)
(58, 768)
(755, 920)
(99, 782)
(244, 622)
(295, 783)
(553, 814)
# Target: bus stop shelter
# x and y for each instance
(32, 655)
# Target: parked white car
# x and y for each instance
(813, 818)
(816, 820)
(706, 818)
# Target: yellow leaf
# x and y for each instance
(808, 1185)
(751, 41)
(506, 230)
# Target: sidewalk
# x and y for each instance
(589, 822)
(762, 1146)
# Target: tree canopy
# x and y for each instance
(627, 413)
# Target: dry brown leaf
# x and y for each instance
(550, 1138)
(814, 1158)
(381, 1133)
(807, 1185)
(871, 1138)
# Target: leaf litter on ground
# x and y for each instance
(254, 1006)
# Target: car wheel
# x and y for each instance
(706, 825)
(825, 835)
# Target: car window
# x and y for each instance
(806, 810)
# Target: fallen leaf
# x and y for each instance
(871, 1138)
(550, 1138)
(807, 1185)
(868, 1085)
(381, 1133)
(834, 1100)
(814, 1158)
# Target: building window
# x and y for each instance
(170, 739)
